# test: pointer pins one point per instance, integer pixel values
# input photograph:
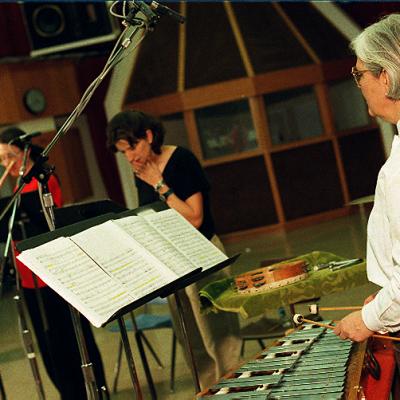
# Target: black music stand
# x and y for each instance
(79, 212)
(34, 225)
(172, 288)
(75, 214)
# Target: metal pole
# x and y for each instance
(26, 334)
(138, 337)
(29, 349)
(129, 359)
(186, 342)
(2, 391)
(87, 367)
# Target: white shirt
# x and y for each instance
(383, 246)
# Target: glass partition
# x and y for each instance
(293, 115)
(226, 129)
(348, 106)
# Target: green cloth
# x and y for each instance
(222, 295)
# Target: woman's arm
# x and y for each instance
(191, 208)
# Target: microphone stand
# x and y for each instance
(26, 334)
(133, 25)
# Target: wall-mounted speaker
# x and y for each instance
(55, 27)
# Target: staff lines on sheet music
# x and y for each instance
(89, 256)
(185, 239)
(156, 243)
(96, 292)
(139, 263)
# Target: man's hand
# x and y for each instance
(352, 327)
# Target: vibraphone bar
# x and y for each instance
(308, 364)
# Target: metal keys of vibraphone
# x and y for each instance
(308, 364)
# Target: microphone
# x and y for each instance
(152, 17)
(28, 136)
(164, 10)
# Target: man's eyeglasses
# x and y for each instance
(357, 74)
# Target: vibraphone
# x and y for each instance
(308, 364)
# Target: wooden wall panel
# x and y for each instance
(241, 196)
(308, 180)
(287, 79)
(363, 156)
(8, 100)
(14, 39)
(55, 78)
(163, 105)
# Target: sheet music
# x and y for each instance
(156, 244)
(122, 257)
(190, 242)
(77, 278)
(107, 267)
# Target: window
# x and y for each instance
(226, 129)
(348, 106)
(293, 115)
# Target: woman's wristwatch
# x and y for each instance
(159, 185)
(164, 196)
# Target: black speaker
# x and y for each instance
(54, 27)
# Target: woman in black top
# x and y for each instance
(174, 175)
(184, 173)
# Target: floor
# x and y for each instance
(344, 236)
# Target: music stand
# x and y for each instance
(81, 211)
(77, 213)
(163, 291)
(86, 215)
(30, 211)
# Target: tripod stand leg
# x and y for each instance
(29, 350)
(2, 391)
(152, 389)
(129, 359)
(187, 343)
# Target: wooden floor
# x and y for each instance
(344, 236)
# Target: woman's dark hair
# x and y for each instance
(11, 136)
(131, 126)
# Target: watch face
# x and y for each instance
(34, 101)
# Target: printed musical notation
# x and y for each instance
(104, 268)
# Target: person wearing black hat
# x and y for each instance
(52, 325)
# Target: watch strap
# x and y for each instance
(164, 196)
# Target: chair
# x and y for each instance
(139, 325)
